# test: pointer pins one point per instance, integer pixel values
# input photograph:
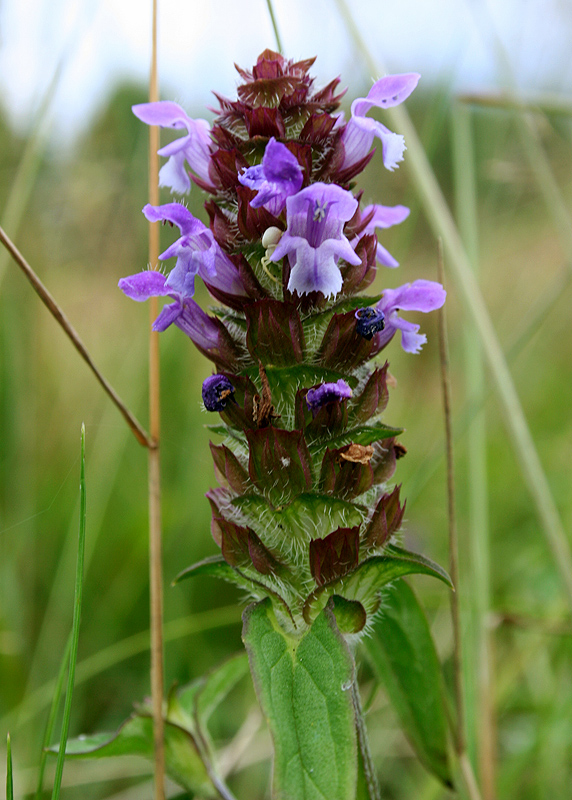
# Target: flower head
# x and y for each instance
(194, 148)
(360, 131)
(278, 177)
(314, 239)
(417, 296)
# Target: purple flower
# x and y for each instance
(360, 131)
(197, 252)
(194, 148)
(184, 312)
(217, 392)
(417, 296)
(279, 176)
(314, 239)
(383, 217)
(369, 321)
(327, 393)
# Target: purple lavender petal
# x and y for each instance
(383, 217)
(143, 285)
(164, 113)
(327, 393)
(169, 314)
(386, 92)
(175, 213)
(314, 271)
(360, 131)
(277, 178)
(198, 326)
(194, 148)
(417, 296)
(314, 239)
(420, 295)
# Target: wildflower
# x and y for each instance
(278, 177)
(360, 131)
(314, 239)
(304, 504)
(417, 296)
(194, 148)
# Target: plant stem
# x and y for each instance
(155, 557)
(274, 25)
(459, 730)
(478, 663)
(48, 300)
(75, 626)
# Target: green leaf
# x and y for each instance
(363, 434)
(303, 687)
(364, 583)
(216, 567)
(217, 685)
(404, 659)
(135, 737)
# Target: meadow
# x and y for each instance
(503, 167)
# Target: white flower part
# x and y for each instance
(270, 240)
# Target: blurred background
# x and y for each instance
(493, 112)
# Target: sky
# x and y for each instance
(100, 42)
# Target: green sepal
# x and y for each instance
(303, 686)
(372, 574)
(403, 657)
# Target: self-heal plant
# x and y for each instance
(303, 515)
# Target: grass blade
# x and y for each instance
(50, 724)
(9, 779)
(75, 626)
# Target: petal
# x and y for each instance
(169, 314)
(386, 92)
(144, 285)
(174, 176)
(420, 295)
(384, 216)
(315, 271)
(384, 257)
(164, 113)
(177, 214)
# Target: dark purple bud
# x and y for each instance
(369, 321)
(217, 392)
(327, 393)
